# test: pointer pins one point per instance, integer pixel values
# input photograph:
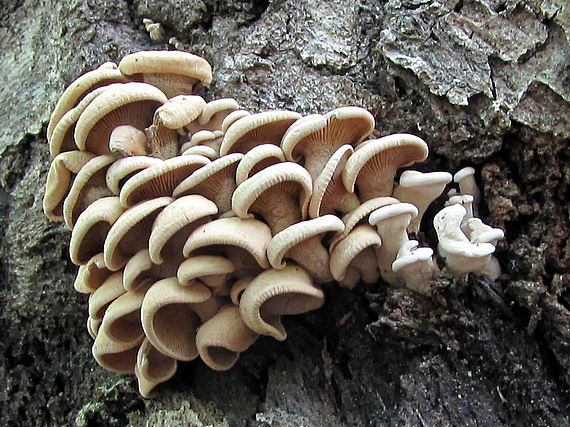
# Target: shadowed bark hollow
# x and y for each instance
(486, 83)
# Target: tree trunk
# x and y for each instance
(486, 83)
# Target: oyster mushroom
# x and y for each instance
(256, 159)
(221, 339)
(91, 275)
(213, 115)
(152, 368)
(416, 266)
(123, 169)
(373, 165)
(174, 72)
(211, 270)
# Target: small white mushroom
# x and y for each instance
(416, 266)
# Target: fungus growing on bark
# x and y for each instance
(179, 208)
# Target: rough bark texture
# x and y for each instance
(485, 82)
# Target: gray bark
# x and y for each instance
(485, 82)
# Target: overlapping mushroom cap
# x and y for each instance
(197, 225)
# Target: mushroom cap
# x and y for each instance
(130, 232)
(348, 249)
(89, 185)
(180, 110)
(152, 368)
(313, 140)
(169, 320)
(483, 233)
(416, 266)
(62, 172)
(91, 275)
(392, 211)
(201, 150)
(123, 169)
(221, 339)
(104, 295)
(256, 159)
(127, 104)
(216, 181)
(93, 225)
(161, 68)
(161, 179)
(233, 117)
(115, 356)
(127, 141)
(203, 266)
(181, 217)
(249, 234)
(137, 270)
(373, 164)
(79, 88)
(274, 293)
(287, 180)
(213, 115)
(261, 128)
(328, 189)
(297, 234)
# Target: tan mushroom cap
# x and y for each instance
(314, 140)
(374, 163)
(201, 150)
(174, 72)
(420, 189)
(122, 319)
(124, 169)
(91, 275)
(222, 338)
(258, 158)
(180, 110)
(233, 117)
(152, 368)
(329, 195)
(301, 242)
(238, 287)
(115, 356)
(279, 194)
(160, 180)
(360, 215)
(168, 319)
(174, 225)
(109, 291)
(88, 186)
(93, 326)
(79, 88)
(261, 128)
(130, 232)
(210, 269)
(61, 174)
(353, 258)
(213, 115)
(127, 104)
(251, 235)
(93, 225)
(215, 181)
(127, 140)
(62, 137)
(274, 293)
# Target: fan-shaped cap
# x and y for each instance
(127, 141)
(467, 184)
(115, 356)
(215, 181)
(93, 225)
(169, 320)
(353, 258)
(275, 293)
(314, 140)
(420, 189)
(160, 180)
(89, 185)
(416, 266)
(123, 169)
(213, 115)
(210, 269)
(61, 174)
(280, 194)
(130, 233)
(131, 104)
(91, 275)
(373, 164)
(483, 233)
(180, 110)
(249, 234)
(109, 291)
(201, 150)
(222, 338)
(256, 159)
(301, 242)
(152, 368)
(329, 195)
(174, 225)
(261, 128)
(79, 88)
(174, 72)
(233, 117)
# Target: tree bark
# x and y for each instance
(485, 83)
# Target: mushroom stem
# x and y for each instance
(280, 211)
(312, 255)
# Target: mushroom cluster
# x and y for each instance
(197, 225)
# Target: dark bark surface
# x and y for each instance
(486, 83)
